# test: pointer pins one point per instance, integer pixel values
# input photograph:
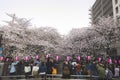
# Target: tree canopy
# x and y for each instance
(20, 39)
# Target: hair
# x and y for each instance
(35, 64)
(43, 63)
(37, 59)
(48, 59)
(26, 64)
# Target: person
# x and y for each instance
(101, 71)
(12, 68)
(42, 70)
(89, 70)
(108, 74)
(27, 70)
(50, 64)
(66, 72)
(20, 68)
(73, 70)
(35, 70)
(78, 69)
(73, 64)
(117, 70)
(94, 70)
(38, 62)
(54, 71)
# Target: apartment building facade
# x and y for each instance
(106, 8)
(101, 8)
(116, 9)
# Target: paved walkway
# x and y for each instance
(48, 79)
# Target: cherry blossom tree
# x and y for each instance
(77, 40)
(109, 31)
(14, 33)
(20, 39)
(46, 37)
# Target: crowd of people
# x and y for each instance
(101, 70)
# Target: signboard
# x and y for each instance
(1, 49)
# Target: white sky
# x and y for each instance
(61, 14)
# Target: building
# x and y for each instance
(116, 16)
(101, 8)
(105, 8)
(116, 9)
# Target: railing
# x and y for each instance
(52, 77)
(47, 77)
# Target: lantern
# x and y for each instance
(118, 61)
(26, 58)
(88, 58)
(48, 55)
(57, 58)
(37, 56)
(78, 58)
(17, 58)
(99, 59)
(68, 58)
(1, 58)
(110, 61)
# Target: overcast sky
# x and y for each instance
(61, 14)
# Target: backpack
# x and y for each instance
(27, 69)
(78, 68)
(109, 74)
(66, 70)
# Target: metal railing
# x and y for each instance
(47, 77)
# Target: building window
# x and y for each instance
(116, 1)
(116, 9)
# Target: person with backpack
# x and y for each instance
(108, 74)
(78, 69)
(66, 72)
(73, 64)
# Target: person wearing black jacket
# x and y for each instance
(66, 72)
